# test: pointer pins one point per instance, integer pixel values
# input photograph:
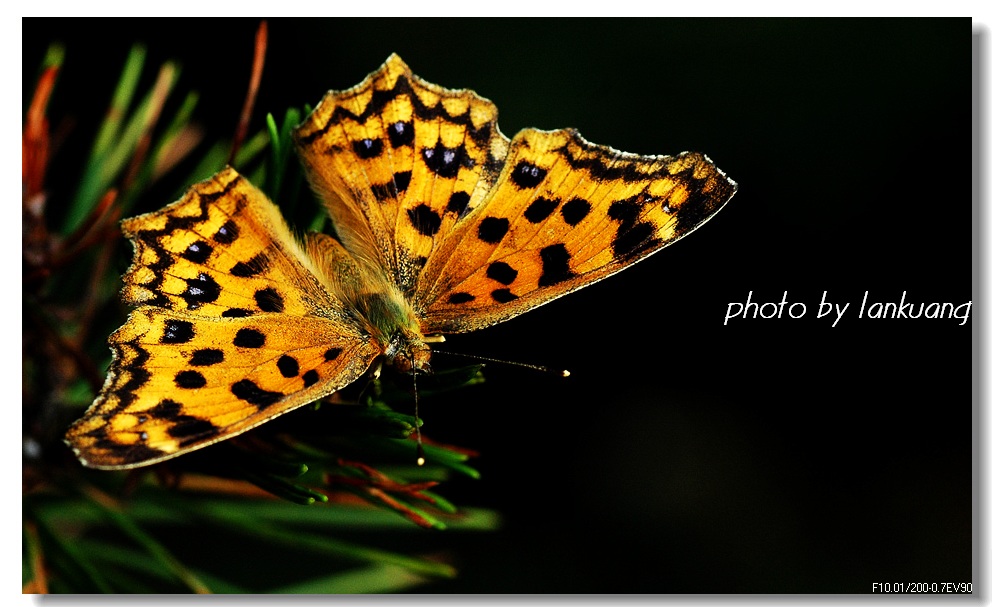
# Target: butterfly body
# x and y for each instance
(377, 306)
(444, 224)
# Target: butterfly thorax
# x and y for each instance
(372, 299)
(390, 320)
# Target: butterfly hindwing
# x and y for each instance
(179, 382)
(564, 213)
(221, 250)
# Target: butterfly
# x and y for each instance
(444, 226)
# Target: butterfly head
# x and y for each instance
(408, 353)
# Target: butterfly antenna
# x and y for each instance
(512, 363)
(416, 422)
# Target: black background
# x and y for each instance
(684, 455)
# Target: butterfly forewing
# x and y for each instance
(563, 214)
(399, 161)
(237, 326)
(222, 250)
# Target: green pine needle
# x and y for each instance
(331, 547)
(155, 549)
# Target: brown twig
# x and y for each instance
(261, 42)
(35, 151)
(34, 141)
(398, 506)
(377, 485)
(82, 236)
(39, 583)
(97, 227)
(381, 480)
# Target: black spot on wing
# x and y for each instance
(187, 428)
(249, 392)
(128, 453)
(236, 313)
(166, 409)
(269, 300)
(249, 338)
(367, 148)
(332, 353)
(632, 240)
(460, 298)
(624, 211)
(444, 161)
(391, 189)
(190, 380)
(198, 252)
(402, 180)
(424, 219)
(227, 233)
(200, 290)
(502, 296)
(540, 209)
(527, 175)
(310, 378)
(632, 235)
(206, 357)
(400, 134)
(253, 267)
(493, 229)
(288, 366)
(501, 272)
(177, 332)
(555, 269)
(383, 191)
(575, 210)
(191, 428)
(458, 203)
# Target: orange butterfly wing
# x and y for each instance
(564, 214)
(445, 226)
(398, 161)
(237, 327)
(473, 228)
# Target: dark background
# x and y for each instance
(684, 455)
